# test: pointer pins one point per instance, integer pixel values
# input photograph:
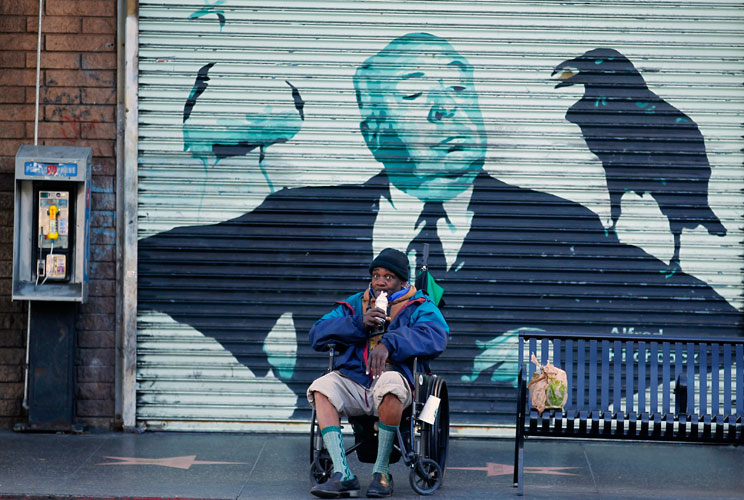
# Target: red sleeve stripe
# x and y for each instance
(344, 303)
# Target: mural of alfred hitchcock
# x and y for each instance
(508, 257)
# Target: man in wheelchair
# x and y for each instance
(372, 372)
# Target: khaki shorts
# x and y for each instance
(353, 399)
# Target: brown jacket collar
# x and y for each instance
(394, 308)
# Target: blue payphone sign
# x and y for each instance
(38, 169)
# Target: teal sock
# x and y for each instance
(334, 443)
(385, 439)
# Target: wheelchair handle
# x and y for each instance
(331, 355)
(415, 365)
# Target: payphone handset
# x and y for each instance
(53, 235)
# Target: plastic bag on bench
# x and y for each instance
(548, 387)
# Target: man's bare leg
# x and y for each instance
(325, 411)
(390, 410)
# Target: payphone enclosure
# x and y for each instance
(51, 223)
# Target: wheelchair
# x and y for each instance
(422, 446)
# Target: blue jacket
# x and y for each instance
(419, 329)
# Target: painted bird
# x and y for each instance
(646, 145)
(223, 137)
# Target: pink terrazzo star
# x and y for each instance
(173, 462)
(493, 469)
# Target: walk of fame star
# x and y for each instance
(492, 469)
(173, 462)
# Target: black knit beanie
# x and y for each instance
(393, 260)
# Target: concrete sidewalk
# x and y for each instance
(271, 466)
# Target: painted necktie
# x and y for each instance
(430, 215)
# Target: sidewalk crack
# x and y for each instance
(250, 474)
(591, 472)
(83, 463)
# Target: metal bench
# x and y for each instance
(635, 388)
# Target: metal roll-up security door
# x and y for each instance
(248, 117)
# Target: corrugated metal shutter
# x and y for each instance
(209, 289)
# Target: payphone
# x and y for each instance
(52, 212)
(50, 270)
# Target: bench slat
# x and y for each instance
(533, 349)
(690, 378)
(629, 359)
(520, 354)
(604, 388)
(592, 375)
(714, 385)
(727, 379)
(616, 375)
(604, 382)
(678, 359)
(703, 377)
(569, 372)
(580, 367)
(665, 376)
(740, 380)
(642, 360)
(654, 378)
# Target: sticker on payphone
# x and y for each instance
(56, 266)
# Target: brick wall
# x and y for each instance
(77, 108)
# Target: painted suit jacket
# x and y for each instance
(530, 260)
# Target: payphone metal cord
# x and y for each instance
(46, 276)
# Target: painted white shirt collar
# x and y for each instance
(395, 225)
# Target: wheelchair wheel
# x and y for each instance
(321, 465)
(435, 438)
(322, 468)
(426, 477)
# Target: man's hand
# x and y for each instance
(373, 318)
(376, 360)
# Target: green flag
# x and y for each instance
(432, 288)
